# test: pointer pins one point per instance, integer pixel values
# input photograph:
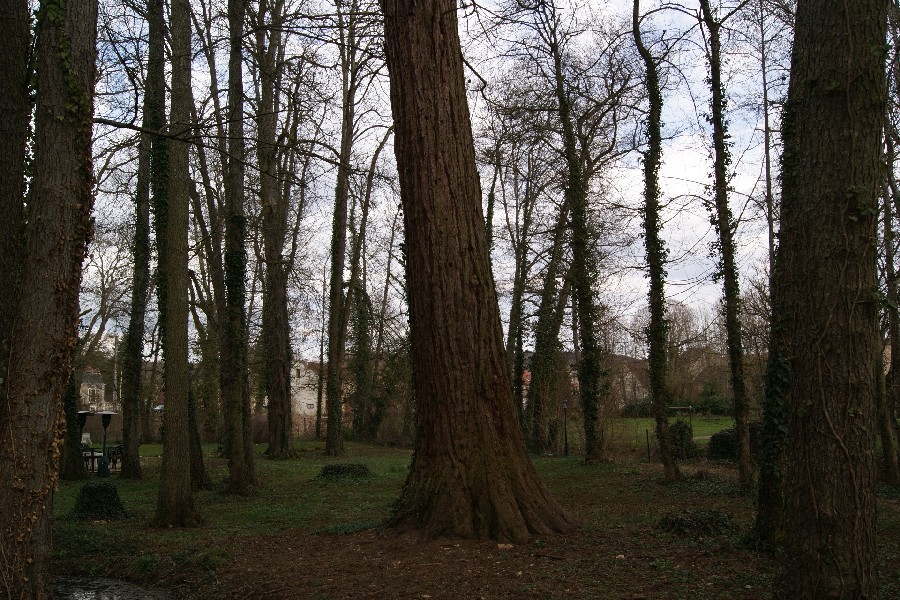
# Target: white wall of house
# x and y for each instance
(304, 388)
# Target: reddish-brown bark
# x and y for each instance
(470, 476)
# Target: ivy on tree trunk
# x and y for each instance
(657, 329)
(826, 267)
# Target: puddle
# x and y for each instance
(105, 589)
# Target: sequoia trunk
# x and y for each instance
(470, 475)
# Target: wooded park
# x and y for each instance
(434, 299)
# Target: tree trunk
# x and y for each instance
(767, 138)
(515, 351)
(133, 359)
(470, 476)
(833, 121)
(657, 330)
(886, 417)
(337, 326)
(767, 528)
(15, 115)
(279, 362)
(544, 361)
(72, 464)
(770, 512)
(724, 223)
(175, 502)
(233, 361)
(45, 304)
(583, 266)
(274, 217)
(320, 386)
(199, 478)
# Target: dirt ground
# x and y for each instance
(379, 564)
(619, 552)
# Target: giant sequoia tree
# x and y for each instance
(826, 277)
(470, 475)
(41, 280)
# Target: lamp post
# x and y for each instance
(106, 418)
(566, 428)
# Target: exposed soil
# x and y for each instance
(618, 553)
(380, 564)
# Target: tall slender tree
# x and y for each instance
(831, 176)
(175, 502)
(887, 420)
(724, 223)
(470, 475)
(657, 329)
(354, 26)
(44, 276)
(133, 355)
(233, 363)
(276, 327)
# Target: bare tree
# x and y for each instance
(358, 65)
(725, 226)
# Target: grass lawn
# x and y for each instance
(301, 537)
(631, 433)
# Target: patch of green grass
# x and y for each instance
(146, 564)
(660, 564)
(631, 433)
(289, 497)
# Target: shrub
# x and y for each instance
(711, 401)
(98, 500)
(712, 405)
(683, 438)
(723, 445)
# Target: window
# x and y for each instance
(310, 406)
